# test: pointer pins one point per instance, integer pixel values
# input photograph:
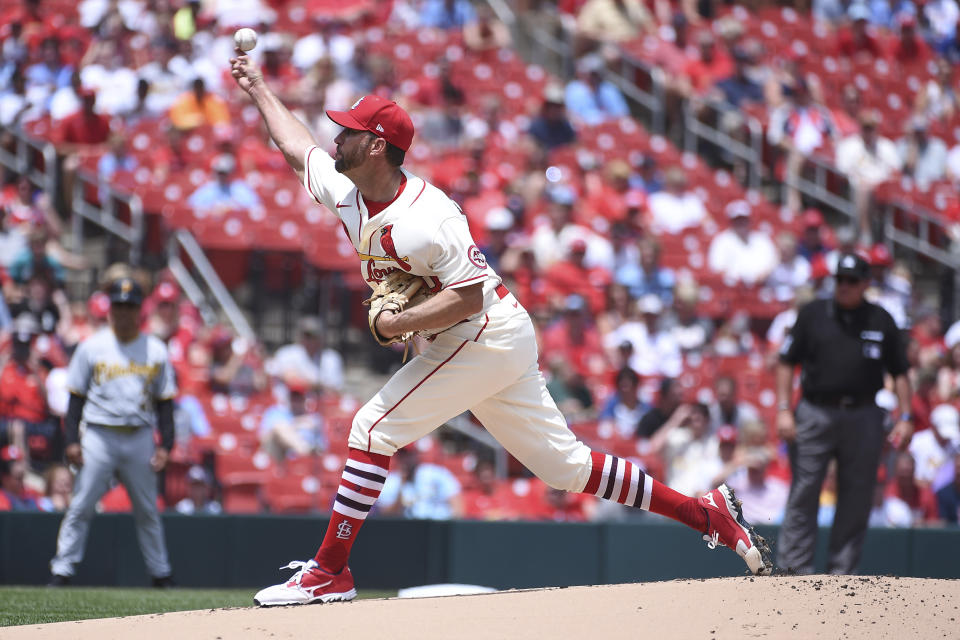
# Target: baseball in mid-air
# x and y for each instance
(246, 38)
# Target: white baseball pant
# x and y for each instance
(492, 372)
(107, 451)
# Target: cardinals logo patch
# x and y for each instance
(476, 257)
(386, 242)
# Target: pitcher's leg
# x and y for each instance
(141, 483)
(90, 485)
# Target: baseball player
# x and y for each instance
(482, 354)
(121, 384)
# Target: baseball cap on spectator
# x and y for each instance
(851, 265)
(738, 209)
(727, 433)
(381, 117)
(223, 163)
(946, 419)
(98, 306)
(880, 256)
(858, 11)
(756, 457)
(812, 218)
(310, 326)
(10, 453)
(650, 304)
(499, 219)
(166, 292)
(198, 474)
(574, 302)
(125, 291)
(554, 94)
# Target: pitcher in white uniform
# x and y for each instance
(482, 356)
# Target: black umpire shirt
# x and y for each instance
(844, 352)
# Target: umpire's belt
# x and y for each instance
(839, 400)
(127, 430)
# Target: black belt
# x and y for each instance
(839, 400)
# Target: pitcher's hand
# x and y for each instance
(245, 71)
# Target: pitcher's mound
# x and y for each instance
(778, 607)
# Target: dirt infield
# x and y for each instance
(777, 607)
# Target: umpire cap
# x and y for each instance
(125, 291)
(852, 266)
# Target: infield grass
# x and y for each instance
(37, 605)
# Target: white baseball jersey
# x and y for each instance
(486, 364)
(422, 232)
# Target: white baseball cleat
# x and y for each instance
(726, 525)
(309, 584)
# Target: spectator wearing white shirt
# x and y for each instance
(65, 101)
(867, 159)
(924, 157)
(674, 208)
(308, 358)
(792, 271)
(115, 83)
(942, 17)
(419, 490)
(933, 449)
(198, 500)
(691, 453)
(739, 253)
(891, 286)
(764, 497)
(727, 408)
(655, 352)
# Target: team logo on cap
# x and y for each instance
(126, 287)
(849, 262)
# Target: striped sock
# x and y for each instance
(613, 478)
(360, 486)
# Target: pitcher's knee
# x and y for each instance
(568, 472)
(367, 435)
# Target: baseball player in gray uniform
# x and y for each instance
(121, 384)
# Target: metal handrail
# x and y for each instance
(105, 215)
(695, 129)
(183, 239)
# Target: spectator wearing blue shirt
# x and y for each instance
(623, 410)
(117, 158)
(648, 276)
(592, 99)
(222, 193)
(49, 72)
(447, 14)
(291, 430)
(740, 87)
(551, 128)
(422, 491)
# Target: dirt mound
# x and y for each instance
(796, 607)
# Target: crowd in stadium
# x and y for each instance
(661, 288)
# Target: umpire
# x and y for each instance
(843, 347)
(121, 384)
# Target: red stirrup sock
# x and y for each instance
(360, 486)
(613, 478)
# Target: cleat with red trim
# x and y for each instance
(309, 584)
(726, 525)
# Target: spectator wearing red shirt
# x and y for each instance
(575, 340)
(166, 321)
(14, 496)
(572, 276)
(23, 400)
(487, 498)
(909, 49)
(906, 503)
(86, 127)
(855, 40)
(713, 64)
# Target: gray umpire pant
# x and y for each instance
(107, 452)
(855, 438)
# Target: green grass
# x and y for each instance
(37, 605)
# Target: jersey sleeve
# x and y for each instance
(79, 371)
(894, 347)
(164, 385)
(457, 260)
(322, 180)
(792, 349)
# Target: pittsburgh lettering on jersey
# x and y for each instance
(103, 371)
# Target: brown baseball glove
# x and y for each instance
(400, 290)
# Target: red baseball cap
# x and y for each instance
(812, 218)
(381, 117)
(166, 292)
(880, 256)
(98, 306)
